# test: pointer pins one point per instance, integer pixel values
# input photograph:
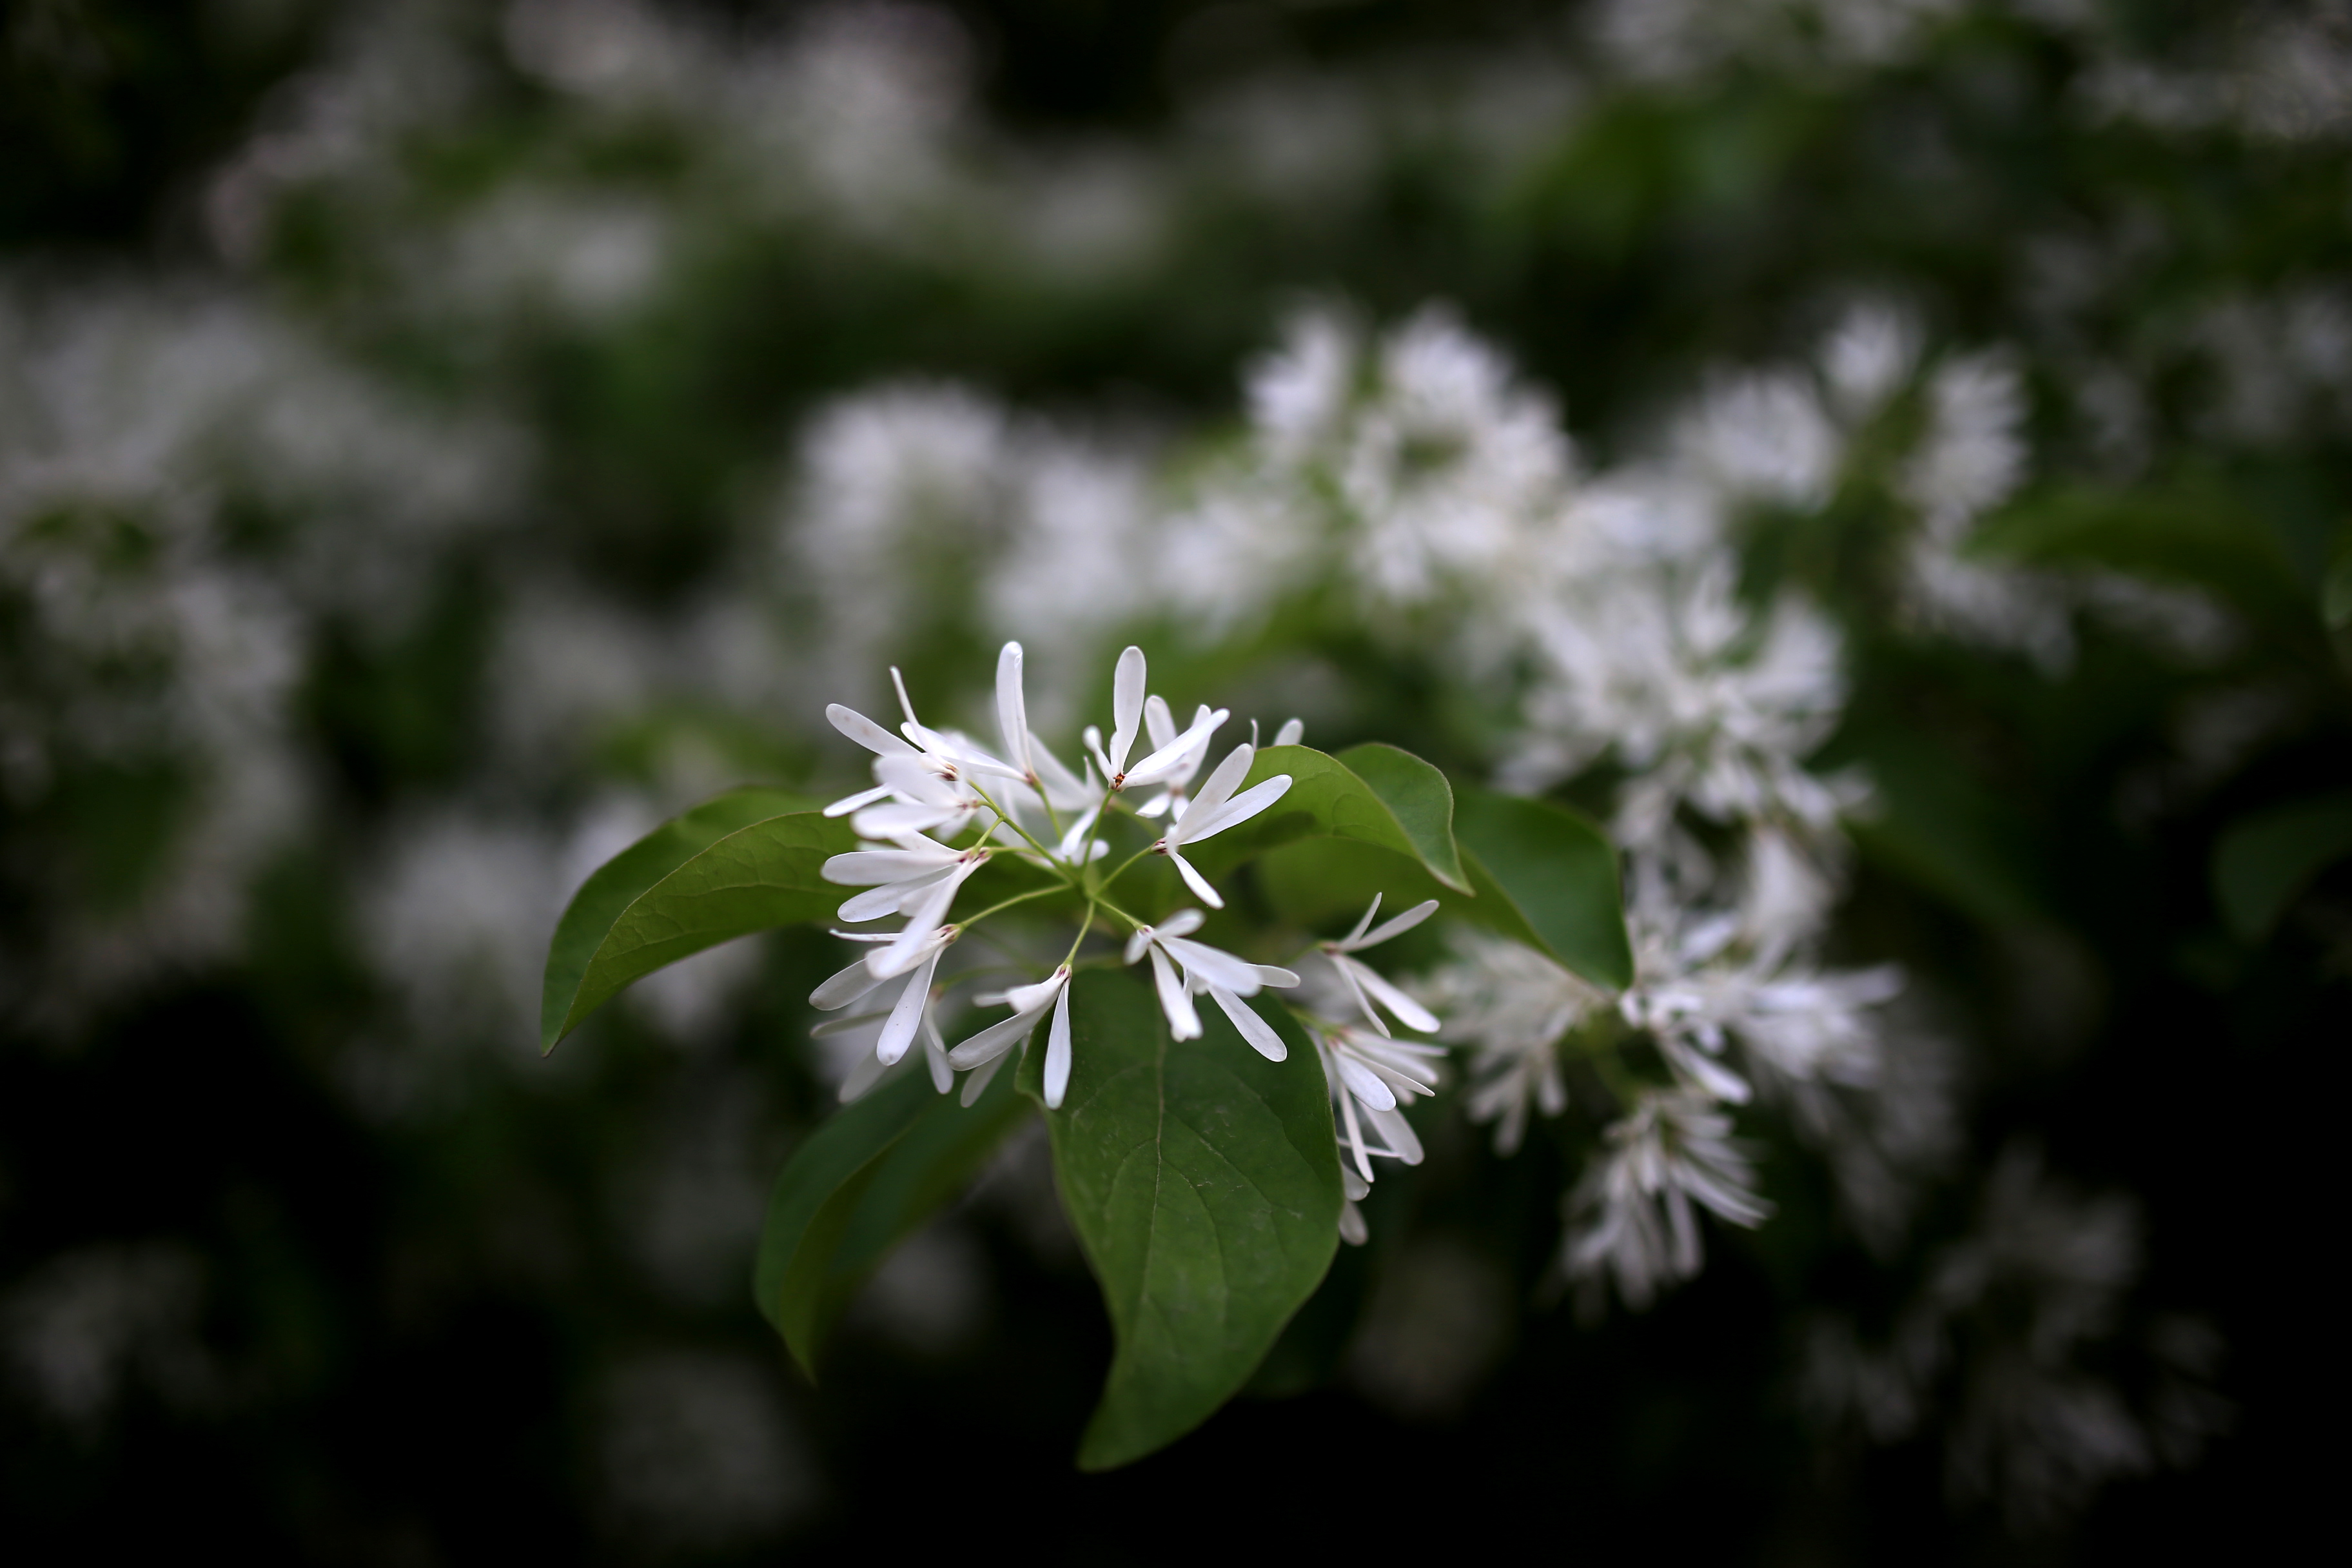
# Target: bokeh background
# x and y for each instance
(438, 441)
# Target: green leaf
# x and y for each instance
(619, 881)
(1935, 823)
(863, 1182)
(754, 879)
(1204, 1181)
(1547, 876)
(1396, 802)
(2262, 861)
(2196, 530)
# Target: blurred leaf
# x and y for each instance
(1935, 824)
(1317, 881)
(1398, 802)
(2195, 531)
(2262, 860)
(1546, 877)
(753, 878)
(1204, 1181)
(864, 1182)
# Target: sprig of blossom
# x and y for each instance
(1631, 1217)
(933, 780)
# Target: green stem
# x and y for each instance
(1005, 819)
(1084, 926)
(1121, 914)
(970, 920)
(1123, 866)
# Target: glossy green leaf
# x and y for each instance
(1547, 876)
(864, 1182)
(753, 878)
(1204, 1181)
(1397, 802)
(2264, 861)
(616, 884)
(1317, 882)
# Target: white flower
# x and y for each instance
(1363, 986)
(1797, 1023)
(1512, 1006)
(920, 877)
(1214, 810)
(1632, 1217)
(1763, 437)
(987, 1049)
(1372, 1079)
(1225, 979)
(1702, 705)
(1299, 394)
(1447, 465)
(1127, 721)
(924, 776)
(1030, 757)
(903, 1011)
(1161, 723)
(1867, 358)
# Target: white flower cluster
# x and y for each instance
(929, 782)
(1998, 1328)
(1417, 467)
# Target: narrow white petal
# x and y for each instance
(1057, 1052)
(923, 933)
(1255, 1029)
(1365, 1084)
(863, 1077)
(892, 897)
(918, 778)
(1183, 922)
(1075, 839)
(935, 1056)
(1063, 787)
(1275, 975)
(865, 732)
(1292, 732)
(1035, 998)
(1355, 1139)
(1409, 1013)
(1237, 810)
(1137, 942)
(1347, 969)
(1157, 722)
(1174, 999)
(898, 1032)
(893, 820)
(993, 1041)
(1217, 790)
(1348, 942)
(1392, 1126)
(1197, 882)
(1013, 709)
(844, 988)
(1209, 963)
(865, 867)
(850, 803)
(1352, 1229)
(1164, 763)
(1126, 707)
(1156, 806)
(976, 1084)
(1396, 925)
